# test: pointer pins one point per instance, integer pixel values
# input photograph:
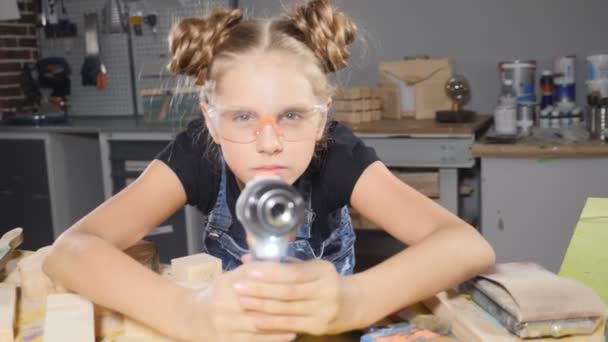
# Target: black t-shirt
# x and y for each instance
(334, 172)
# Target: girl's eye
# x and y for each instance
(242, 116)
(292, 116)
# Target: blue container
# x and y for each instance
(565, 91)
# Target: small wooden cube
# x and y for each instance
(198, 267)
(69, 317)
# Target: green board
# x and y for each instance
(586, 258)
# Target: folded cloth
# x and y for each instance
(531, 293)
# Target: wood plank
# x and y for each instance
(586, 259)
(538, 150)
(8, 300)
(407, 126)
(69, 317)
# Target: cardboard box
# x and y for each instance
(414, 88)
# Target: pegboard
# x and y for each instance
(150, 52)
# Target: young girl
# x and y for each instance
(265, 99)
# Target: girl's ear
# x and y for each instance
(325, 118)
(208, 122)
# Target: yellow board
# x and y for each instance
(586, 258)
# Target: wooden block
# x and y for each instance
(195, 285)
(376, 104)
(198, 267)
(348, 117)
(69, 317)
(35, 284)
(8, 300)
(349, 105)
(8, 243)
(376, 115)
(366, 93)
(108, 324)
(366, 116)
(391, 108)
(347, 93)
(366, 104)
(375, 92)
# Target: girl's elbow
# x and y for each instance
(487, 255)
(66, 247)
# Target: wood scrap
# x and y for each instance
(197, 267)
(8, 243)
(108, 323)
(8, 301)
(69, 317)
(35, 284)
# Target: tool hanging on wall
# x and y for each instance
(136, 22)
(93, 70)
(152, 21)
(112, 17)
(56, 25)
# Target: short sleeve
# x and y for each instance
(343, 162)
(189, 159)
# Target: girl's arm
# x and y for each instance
(88, 258)
(443, 250)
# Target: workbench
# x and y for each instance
(532, 195)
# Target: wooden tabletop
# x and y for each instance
(408, 126)
(532, 150)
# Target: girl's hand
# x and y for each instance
(305, 297)
(214, 314)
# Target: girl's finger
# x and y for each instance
(288, 292)
(300, 324)
(277, 307)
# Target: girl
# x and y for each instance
(265, 99)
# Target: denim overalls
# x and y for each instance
(338, 248)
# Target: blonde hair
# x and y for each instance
(203, 47)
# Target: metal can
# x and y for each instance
(547, 89)
(520, 76)
(526, 112)
(555, 119)
(598, 123)
(565, 92)
(565, 69)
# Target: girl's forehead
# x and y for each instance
(265, 84)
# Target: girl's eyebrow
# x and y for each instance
(285, 109)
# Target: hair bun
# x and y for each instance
(194, 41)
(326, 31)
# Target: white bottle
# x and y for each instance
(505, 114)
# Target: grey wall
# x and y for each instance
(475, 34)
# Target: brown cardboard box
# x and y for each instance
(418, 85)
